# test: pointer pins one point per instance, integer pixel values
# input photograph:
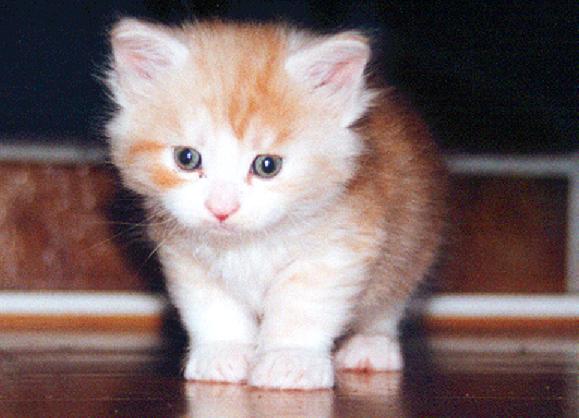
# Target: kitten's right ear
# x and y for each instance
(332, 68)
(142, 52)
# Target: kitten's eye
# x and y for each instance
(187, 159)
(266, 166)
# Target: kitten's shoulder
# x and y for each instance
(401, 166)
(394, 132)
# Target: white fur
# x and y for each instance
(293, 368)
(220, 362)
(221, 295)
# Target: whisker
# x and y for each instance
(111, 238)
(122, 223)
(167, 236)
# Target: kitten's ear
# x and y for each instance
(333, 68)
(142, 52)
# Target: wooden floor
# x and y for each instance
(128, 374)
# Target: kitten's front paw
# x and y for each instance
(293, 369)
(219, 362)
(370, 353)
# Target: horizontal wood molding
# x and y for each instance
(82, 322)
(154, 323)
(519, 325)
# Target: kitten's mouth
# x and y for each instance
(222, 228)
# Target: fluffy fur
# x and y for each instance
(332, 246)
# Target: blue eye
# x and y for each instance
(187, 159)
(266, 166)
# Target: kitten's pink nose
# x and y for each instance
(222, 209)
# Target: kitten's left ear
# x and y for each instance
(142, 53)
(333, 68)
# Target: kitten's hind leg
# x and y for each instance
(367, 352)
(374, 346)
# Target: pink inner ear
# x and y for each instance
(141, 57)
(144, 65)
(337, 74)
(138, 63)
(336, 66)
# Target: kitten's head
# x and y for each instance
(236, 127)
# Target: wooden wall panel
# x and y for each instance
(507, 235)
(56, 231)
(62, 227)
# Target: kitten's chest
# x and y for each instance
(247, 272)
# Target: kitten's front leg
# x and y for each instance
(222, 335)
(222, 331)
(303, 315)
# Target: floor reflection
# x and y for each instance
(132, 375)
(356, 395)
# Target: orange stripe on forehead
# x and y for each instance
(242, 80)
(144, 146)
(258, 91)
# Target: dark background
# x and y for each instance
(496, 77)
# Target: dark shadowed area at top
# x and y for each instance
(494, 77)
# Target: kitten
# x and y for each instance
(290, 203)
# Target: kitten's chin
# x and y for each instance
(231, 229)
(222, 228)
(207, 228)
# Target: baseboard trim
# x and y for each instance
(117, 311)
(503, 306)
(50, 303)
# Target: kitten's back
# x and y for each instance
(400, 186)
